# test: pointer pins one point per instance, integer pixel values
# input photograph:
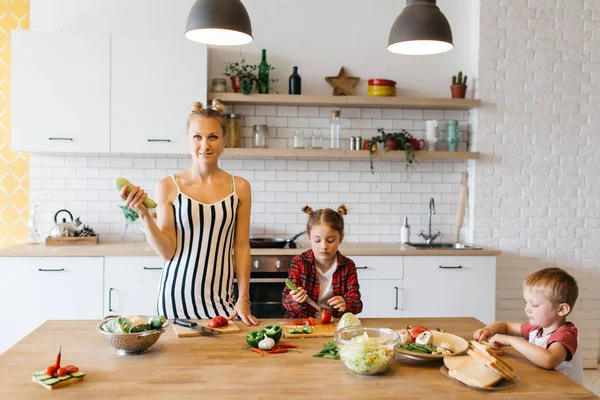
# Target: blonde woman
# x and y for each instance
(202, 228)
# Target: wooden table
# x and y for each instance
(224, 367)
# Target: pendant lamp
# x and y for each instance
(420, 29)
(219, 22)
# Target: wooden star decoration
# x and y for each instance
(343, 85)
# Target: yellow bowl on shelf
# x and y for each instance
(373, 90)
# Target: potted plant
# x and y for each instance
(392, 141)
(242, 76)
(459, 86)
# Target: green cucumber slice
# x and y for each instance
(43, 377)
(39, 373)
(64, 378)
(51, 382)
(78, 374)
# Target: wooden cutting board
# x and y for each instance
(319, 331)
(182, 331)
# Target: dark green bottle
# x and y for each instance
(263, 74)
(295, 82)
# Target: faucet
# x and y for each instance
(429, 238)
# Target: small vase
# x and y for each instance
(391, 144)
(235, 84)
(458, 91)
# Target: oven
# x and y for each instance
(267, 280)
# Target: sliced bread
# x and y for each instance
(473, 372)
(494, 363)
(453, 362)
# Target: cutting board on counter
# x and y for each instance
(319, 330)
(182, 331)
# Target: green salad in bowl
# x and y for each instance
(366, 351)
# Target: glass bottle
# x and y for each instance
(316, 141)
(263, 74)
(334, 125)
(298, 139)
(261, 136)
(33, 231)
(295, 82)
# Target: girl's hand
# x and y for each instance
(482, 334)
(299, 295)
(135, 200)
(499, 340)
(338, 303)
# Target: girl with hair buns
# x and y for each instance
(202, 228)
(323, 273)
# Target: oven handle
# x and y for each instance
(265, 280)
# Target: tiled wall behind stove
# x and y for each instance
(83, 183)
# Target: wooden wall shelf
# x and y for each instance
(347, 101)
(361, 154)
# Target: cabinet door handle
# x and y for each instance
(451, 267)
(397, 289)
(153, 268)
(50, 270)
(159, 140)
(365, 267)
(60, 138)
(110, 300)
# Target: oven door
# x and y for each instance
(265, 296)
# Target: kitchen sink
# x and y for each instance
(456, 246)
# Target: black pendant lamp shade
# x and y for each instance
(219, 22)
(420, 29)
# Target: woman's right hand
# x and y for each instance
(135, 200)
(299, 295)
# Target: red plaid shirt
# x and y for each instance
(303, 272)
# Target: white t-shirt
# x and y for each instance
(325, 287)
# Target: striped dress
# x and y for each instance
(197, 282)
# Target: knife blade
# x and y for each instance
(312, 303)
(194, 326)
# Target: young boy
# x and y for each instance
(547, 340)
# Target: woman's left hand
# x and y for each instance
(338, 303)
(242, 310)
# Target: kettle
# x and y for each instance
(64, 229)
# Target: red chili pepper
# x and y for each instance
(278, 351)
(57, 364)
(287, 346)
(257, 351)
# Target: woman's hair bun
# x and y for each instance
(307, 210)
(197, 106)
(342, 209)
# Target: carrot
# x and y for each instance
(257, 351)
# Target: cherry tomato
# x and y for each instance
(416, 331)
(326, 317)
(51, 370)
(71, 368)
(61, 372)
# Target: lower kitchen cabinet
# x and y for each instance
(457, 286)
(381, 298)
(131, 285)
(60, 288)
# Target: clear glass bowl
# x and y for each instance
(366, 351)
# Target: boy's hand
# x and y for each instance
(338, 303)
(497, 341)
(299, 295)
(482, 335)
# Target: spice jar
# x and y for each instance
(260, 136)
(233, 130)
(298, 139)
(219, 85)
(316, 141)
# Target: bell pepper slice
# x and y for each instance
(254, 338)
(273, 331)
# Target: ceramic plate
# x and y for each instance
(503, 384)
(460, 347)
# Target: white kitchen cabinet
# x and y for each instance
(131, 285)
(36, 289)
(154, 81)
(443, 286)
(380, 280)
(60, 92)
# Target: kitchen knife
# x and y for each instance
(310, 301)
(194, 326)
(462, 201)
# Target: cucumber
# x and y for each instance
(120, 182)
(39, 373)
(290, 284)
(78, 374)
(51, 382)
(64, 378)
(43, 377)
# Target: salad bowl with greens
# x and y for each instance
(366, 351)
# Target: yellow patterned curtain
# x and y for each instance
(14, 167)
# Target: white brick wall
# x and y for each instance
(83, 184)
(535, 192)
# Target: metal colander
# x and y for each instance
(132, 343)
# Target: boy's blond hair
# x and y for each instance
(556, 283)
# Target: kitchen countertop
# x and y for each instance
(224, 367)
(142, 249)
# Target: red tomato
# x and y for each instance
(326, 317)
(51, 370)
(298, 322)
(414, 332)
(222, 320)
(213, 323)
(71, 368)
(61, 372)
(310, 321)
